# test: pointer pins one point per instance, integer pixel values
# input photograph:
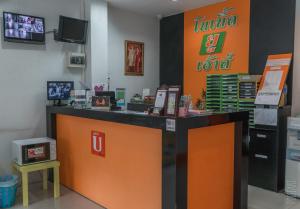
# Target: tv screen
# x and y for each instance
(72, 30)
(59, 90)
(23, 28)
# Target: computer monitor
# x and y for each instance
(59, 90)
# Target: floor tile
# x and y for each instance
(296, 206)
(263, 199)
(40, 199)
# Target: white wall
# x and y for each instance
(123, 25)
(26, 68)
(296, 76)
(24, 71)
(96, 13)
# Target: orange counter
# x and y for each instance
(147, 164)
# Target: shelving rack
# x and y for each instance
(213, 92)
(248, 87)
(230, 93)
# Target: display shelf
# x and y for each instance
(230, 91)
(213, 92)
(248, 87)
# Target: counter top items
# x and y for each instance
(120, 98)
(101, 103)
(98, 87)
(146, 93)
(80, 99)
(150, 100)
(112, 98)
(137, 99)
(141, 103)
(173, 100)
(160, 101)
(58, 91)
(184, 105)
(201, 102)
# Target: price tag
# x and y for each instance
(171, 125)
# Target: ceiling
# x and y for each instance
(160, 8)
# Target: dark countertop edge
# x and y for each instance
(212, 120)
(151, 121)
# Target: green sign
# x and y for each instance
(212, 43)
(223, 20)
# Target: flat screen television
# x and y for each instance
(23, 28)
(72, 30)
(59, 90)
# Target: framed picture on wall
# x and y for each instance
(134, 58)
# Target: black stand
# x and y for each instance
(58, 103)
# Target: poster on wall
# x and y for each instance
(274, 79)
(134, 58)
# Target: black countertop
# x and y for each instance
(157, 122)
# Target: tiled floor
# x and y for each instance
(39, 199)
(262, 199)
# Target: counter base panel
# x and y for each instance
(130, 174)
(211, 167)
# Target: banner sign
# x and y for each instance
(98, 143)
(216, 41)
(212, 44)
(274, 79)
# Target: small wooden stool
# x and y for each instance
(44, 166)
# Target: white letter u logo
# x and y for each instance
(95, 147)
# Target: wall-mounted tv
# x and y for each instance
(72, 30)
(23, 28)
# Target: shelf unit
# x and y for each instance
(229, 93)
(248, 87)
(232, 92)
(213, 92)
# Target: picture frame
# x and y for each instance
(173, 99)
(160, 101)
(101, 103)
(134, 58)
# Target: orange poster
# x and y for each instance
(216, 41)
(274, 79)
